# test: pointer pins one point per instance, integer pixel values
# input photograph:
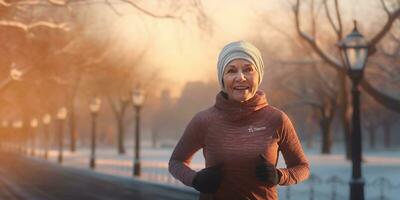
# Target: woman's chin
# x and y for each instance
(240, 95)
(241, 98)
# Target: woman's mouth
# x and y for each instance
(241, 87)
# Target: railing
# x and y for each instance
(315, 188)
(338, 188)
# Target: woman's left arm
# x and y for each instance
(297, 166)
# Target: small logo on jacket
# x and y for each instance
(253, 129)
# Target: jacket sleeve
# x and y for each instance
(191, 141)
(297, 166)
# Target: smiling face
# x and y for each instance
(240, 80)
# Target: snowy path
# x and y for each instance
(27, 179)
(381, 170)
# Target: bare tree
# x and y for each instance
(117, 82)
(372, 119)
(315, 88)
(335, 21)
(389, 119)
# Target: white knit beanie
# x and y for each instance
(239, 50)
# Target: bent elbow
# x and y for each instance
(306, 171)
(171, 164)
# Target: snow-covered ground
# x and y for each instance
(331, 173)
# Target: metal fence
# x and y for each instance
(337, 188)
(315, 188)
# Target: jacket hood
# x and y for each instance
(240, 110)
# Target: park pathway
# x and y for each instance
(23, 178)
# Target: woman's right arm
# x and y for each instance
(191, 141)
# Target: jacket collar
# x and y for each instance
(240, 110)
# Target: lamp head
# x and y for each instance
(62, 113)
(46, 119)
(34, 123)
(137, 97)
(95, 104)
(354, 50)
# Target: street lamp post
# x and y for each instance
(34, 124)
(94, 107)
(46, 121)
(355, 53)
(4, 125)
(137, 100)
(17, 125)
(61, 115)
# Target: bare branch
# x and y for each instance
(313, 23)
(385, 7)
(387, 71)
(328, 14)
(394, 38)
(392, 55)
(329, 86)
(391, 18)
(202, 19)
(339, 20)
(27, 28)
(312, 103)
(5, 4)
(59, 2)
(301, 103)
(339, 28)
(149, 13)
(113, 8)
(36, 2)
(113, 105)
(154, 75)
(311, 41)
(386, 100)
(95, 61)
(303, 93)
(298, 62)
(62, 26)
(4, 84)
(283, 32)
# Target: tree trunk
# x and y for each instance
(72, 115)
(327, 137)
(310, 141)
(72, 128)
(154, 138)
(372, 139)
(120, 127)
(386, 135)
(344, 114)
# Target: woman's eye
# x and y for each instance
(230, 71)
(248, 69)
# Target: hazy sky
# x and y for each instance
(181, 53)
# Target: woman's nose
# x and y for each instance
(240, 76)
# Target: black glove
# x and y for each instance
(208, 179)
(266, 172)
